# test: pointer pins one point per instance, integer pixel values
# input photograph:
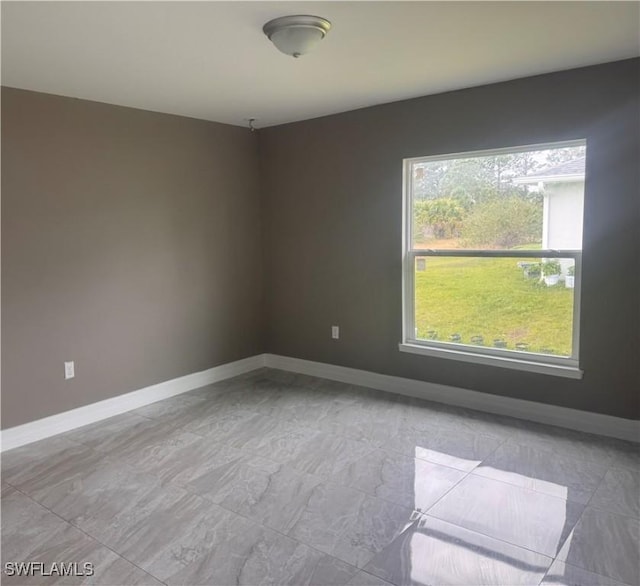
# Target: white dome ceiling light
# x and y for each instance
(296, 35)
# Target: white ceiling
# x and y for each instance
(210, 60)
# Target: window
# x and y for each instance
(492, 256)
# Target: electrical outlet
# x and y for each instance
(335, 332)
(69, 370)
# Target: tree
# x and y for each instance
(558, 156)
(478, 199)
(473, 179)
(427, 179)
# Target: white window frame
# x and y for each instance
(568, 367)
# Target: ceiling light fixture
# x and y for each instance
(296, 35)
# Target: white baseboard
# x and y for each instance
(607, 425)
(627, 429)
(33, 431)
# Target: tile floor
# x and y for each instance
(276, 478)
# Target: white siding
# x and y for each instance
(563, 207)
(564, 216)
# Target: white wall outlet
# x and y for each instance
(335, 332)
(69, 370)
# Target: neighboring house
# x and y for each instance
(563, 189)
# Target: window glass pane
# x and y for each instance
(519, 304)
(531, 200)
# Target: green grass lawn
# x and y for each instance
(490, 297)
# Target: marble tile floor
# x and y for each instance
(274, 478)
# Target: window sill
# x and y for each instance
(562, 370)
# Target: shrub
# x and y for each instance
(533, 270)
(438, 218)
(503, 222)
(551, 267)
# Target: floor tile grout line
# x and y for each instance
(327, 478)
(461, 480)
(510, 437)
(322, 430)
(377, 577)
(426, 513)
(323, 480)
(608, 512)
(160, 483)
(506, 439)
(555, 558)
(550, 451)
(472, 472)
(63, 434)
(279, 532)
(72, 524)
(586, 570)
(260, 372)
(329, 434)
(537, 491)
(614, 513)
(605, 466)
(610, 464)
(619, 466)
(250, 519)
(477, 532)
(253, 452)
(441, 429)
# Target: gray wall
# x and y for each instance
(333, 195)
(133, 242)
(130, 244)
